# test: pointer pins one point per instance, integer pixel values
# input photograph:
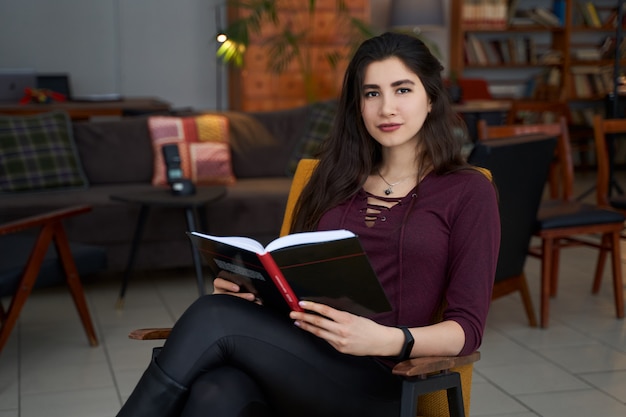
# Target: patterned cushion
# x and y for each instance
(38, 152)
(317, 128)
(203, 144)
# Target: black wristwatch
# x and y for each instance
(405, 353)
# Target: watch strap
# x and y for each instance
(405, 353)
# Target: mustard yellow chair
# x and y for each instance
(432, 386)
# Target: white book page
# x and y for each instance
(294, 239)
(245, 243)
(308, 237)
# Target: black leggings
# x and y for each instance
(240, 359)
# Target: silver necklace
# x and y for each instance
(389, 189)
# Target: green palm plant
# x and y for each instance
(289, 44)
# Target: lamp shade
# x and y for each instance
(417, 15)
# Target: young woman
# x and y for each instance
(392, 172)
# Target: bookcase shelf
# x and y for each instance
(521, 28)
(604, 29)
(496, 67)
(564, 75)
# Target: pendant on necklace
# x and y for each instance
(388, 191)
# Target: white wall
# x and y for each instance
(159, 48)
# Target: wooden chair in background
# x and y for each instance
(28, 260)
(603, 127)
(546, 111)
(562, 222)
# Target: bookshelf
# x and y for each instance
(558, 50)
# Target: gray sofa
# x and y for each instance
(117, 157)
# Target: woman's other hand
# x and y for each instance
(224, 286)
(346, 332)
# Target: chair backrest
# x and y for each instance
(601, 128)
(519, 191)
(300, 178)
(563, 148)
(533, 112)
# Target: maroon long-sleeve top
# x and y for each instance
(437, 247)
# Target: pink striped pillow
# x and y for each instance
(203, 144)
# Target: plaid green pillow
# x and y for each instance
(318, 127)
(38, 152)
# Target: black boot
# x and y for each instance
(156, 395)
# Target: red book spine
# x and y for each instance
(279, 280)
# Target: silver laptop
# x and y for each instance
(13, 82)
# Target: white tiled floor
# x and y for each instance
(575, 368)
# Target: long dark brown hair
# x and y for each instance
(350, 154)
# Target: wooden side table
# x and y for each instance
(83, 110)
(162, 197)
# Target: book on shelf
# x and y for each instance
(544, 85)
(583, 116)
(609, 45)
(559, 10)
(587, 54)
(476, 54)
(522, 18)
(550, 57)
(485, 13)
(524, 51)
(544, 17)
(511, 10)
(593, 15)
(328, 267)
(589, 13)
(611, 17)
(591, 80)
(512, 50)
(505, 52)
(494, 55)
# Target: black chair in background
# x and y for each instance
(520, 189)
(564, 222)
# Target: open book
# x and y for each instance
(328, 267)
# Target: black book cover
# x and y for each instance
(319, 266)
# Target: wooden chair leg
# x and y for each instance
(553, 180)
(554, 272)
(618, 284)
(546, 269)
(527, 301)
(597, 279)
(25, 284)
(73, 282)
